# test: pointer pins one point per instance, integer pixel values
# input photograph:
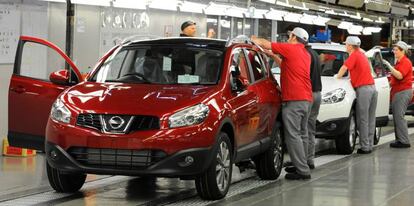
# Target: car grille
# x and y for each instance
(139, 122)
(89, 120)
(116, 158)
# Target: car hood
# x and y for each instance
(331, 83)
(144, 99)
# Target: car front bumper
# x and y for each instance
(330, 129)
(174, 165)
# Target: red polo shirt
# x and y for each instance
(295, 72)
(359, 69)
(405, 67)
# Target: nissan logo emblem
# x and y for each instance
(116, 122)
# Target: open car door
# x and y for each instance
(382, 85)
(39, 76)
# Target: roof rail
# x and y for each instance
(242, 39)
(138, 38)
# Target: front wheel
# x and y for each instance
(345, 143)
(269, 164)
(214, 183)
(62, 182)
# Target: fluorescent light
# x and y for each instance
(374, 29)
(60, 1)
(215, 9)
(170, 5)
(353, 32)
(131, 4)
(292, 17)
(274, 14)
(191, 7)
(321, 21)
(235, 11)
(269, 1)
(366, 31)
(92, 2)
(344, 25)
(307, 19)
(356, 28)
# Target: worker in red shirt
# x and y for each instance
(296, 96)
(401, 93)
(366, 94)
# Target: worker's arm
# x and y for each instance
(265, 44)
(397, 74)
(341, 72)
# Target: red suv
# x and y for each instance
(175, 107)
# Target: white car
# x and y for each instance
(336, 119)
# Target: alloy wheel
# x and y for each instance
(223, 166)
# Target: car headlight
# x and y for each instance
(60, 112)
(333, 96)
(190, 116)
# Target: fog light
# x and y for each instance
(188, 160)
(332, 126)
(53, 154)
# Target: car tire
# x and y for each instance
(269, 164)
(377, 135)
(345, 143)
(63, 182)
(214, 183)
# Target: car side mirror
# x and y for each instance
(60, 77)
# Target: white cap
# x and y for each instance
(301, 33)
(402, 45)
(353, 40)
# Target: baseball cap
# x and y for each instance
(186, 24)
(353, 40)
(402, 45)
(301, 33)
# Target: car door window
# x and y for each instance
(256, 62)
(38, 61)
(377, 67)
(331, 61)
(240, 69)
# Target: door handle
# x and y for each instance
(18, 89)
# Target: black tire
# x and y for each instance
(345, 143)
(207, 183)
(66, 183)
(377, 135)
(269, 164)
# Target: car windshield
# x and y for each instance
(331, 62)
(161, 65)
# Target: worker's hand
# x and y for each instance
(268, 52)
(253, 38)
(336, 76)
(387, 64)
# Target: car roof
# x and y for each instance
(190, 41)
(328, 46)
